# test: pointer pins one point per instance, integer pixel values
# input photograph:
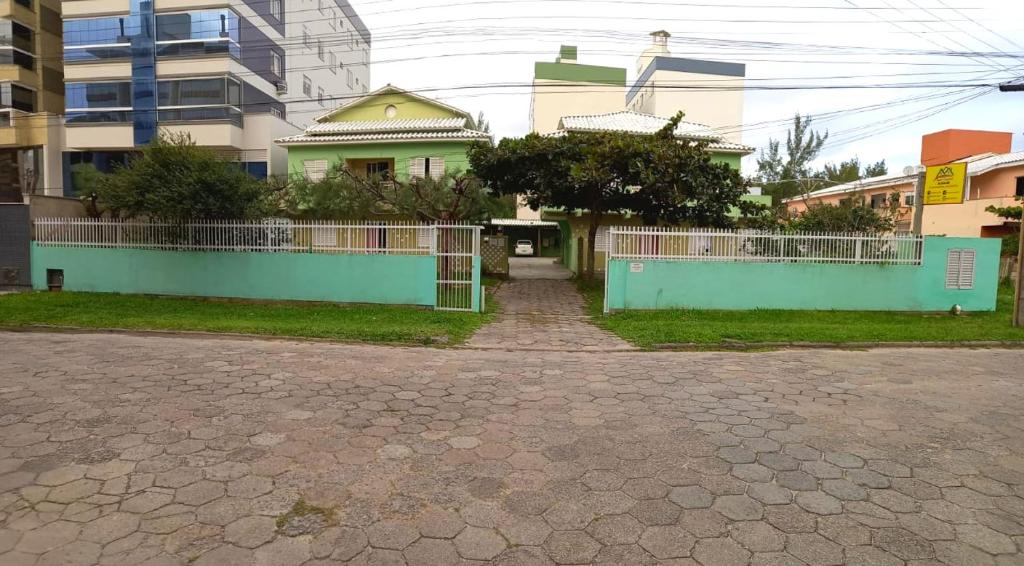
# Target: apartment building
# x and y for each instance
(709, 92)
(31, 97)
(328, 53)
(235, 75)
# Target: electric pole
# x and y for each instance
(1018, 296)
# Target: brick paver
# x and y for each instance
(543, 315)
(165, 451)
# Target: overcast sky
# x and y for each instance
(440, 44)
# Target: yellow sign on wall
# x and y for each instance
(944, 184)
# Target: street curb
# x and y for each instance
(730, 345)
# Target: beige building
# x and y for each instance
(708, 92)
(567, 87)
(995, 178)
(31, 98)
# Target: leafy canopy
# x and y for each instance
(174, 179)
(659, 177)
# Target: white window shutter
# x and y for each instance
(315, 169)
(416, 167)
(966, 279)
(602, 239)
(436, 167)
(953, 269)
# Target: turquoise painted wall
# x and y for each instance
(454, 154)
(383, 279)
(796, 286)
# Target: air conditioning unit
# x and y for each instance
(282, 87)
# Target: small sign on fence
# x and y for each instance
(636, 267)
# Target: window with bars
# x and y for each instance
(307, 86)
(320, 50)
(320, 96)
(276, 64)
(307, 41)
(277, 9)
(334, 63)
(960, 266)
(315, 169)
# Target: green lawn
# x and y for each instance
(370, 323)
(717, 328)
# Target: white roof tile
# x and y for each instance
(634, 123)
(360, 137)
(368, 126)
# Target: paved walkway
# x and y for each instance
(543, 312)
(166, 452)
(537, 268)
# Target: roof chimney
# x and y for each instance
(659, 48)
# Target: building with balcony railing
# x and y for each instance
(31, 97)
(228, 76)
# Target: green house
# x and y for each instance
(387, 132)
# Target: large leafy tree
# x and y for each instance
(659, 177)
(174, 179)
(849, 171)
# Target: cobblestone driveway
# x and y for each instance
(162, 451)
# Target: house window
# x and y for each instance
(420, 167)
(333, 22)
(320, 50)
(334, 63)
(306, 40)
(602, 239)
(878, 201)
(382, 168)
(320, 5)
(909, 198)
(276, 64)
(1020, 187)
(348, 78)
(276, 112)
(320, 96)
(307, 86)
(277, 9)
(315, 169)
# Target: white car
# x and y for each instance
(524, 247)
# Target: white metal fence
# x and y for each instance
(274, 235)
(676, 244)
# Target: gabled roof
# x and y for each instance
(976, 165)
(630, 122)
(461, 134)
(370, 126)
(388, 89)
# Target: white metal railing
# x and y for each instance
(657, 243)
(272, 235)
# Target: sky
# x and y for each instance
(478, 55)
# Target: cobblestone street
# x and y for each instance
(172, 451)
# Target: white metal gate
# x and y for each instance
(457, 249)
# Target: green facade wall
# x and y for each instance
(382, 279)
(454, 154)
(576, 73)
(408, 108)
(806, 286)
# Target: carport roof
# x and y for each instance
(522, 222)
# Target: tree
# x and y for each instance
(849, 171)
(1011, 242)
(480, 124)
(784, 176)
(853, 214)
(658, 177)
(341, 194)
(174, 179)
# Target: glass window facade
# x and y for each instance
(205, 32)
(17, 45)
(201, 32)
(215, 98)
(90, 39)
(18, 97)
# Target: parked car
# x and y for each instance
(524, 247)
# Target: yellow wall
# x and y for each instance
(408, 108)
(553, 100)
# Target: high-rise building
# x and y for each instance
(31, 97)
(233, 77)
(708, 92)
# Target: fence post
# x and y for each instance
(859, 252)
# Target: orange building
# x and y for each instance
(995, 178)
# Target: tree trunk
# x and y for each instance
(595, 223)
